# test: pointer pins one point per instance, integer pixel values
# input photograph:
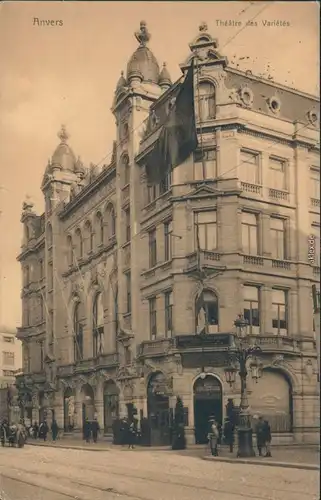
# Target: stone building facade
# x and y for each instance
(111, 269)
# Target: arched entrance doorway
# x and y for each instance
(158, 410)
(88, 405)
(272, 398)
(208, 402)
(111, 405)
(69, 410)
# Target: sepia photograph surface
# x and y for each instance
(159, 250)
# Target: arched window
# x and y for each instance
(70, 251)
(79, 244)
(27, 276)
(78, 333)
(88, 237)
(111, 221)
(99, 229)
(207, 312)
(126, 169)
(98, 325)
(206, 101)
(40, 267)
(49, 235)
(41, 308)
(27, 233)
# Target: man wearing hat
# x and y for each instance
(213, 436)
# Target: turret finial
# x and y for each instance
(63, 134)
(143, 36)
(203, 26)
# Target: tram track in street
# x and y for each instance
(113, 491)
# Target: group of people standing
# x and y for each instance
(41, 431)
(216, 435)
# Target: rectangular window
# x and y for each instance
(315, 183)
(250, 233)
(206, 230)
(279, 312)
(127, 225)
(165, 184)
(151, 193)
(278, 238)
(168, 228)
(8, 358)
(128, 293)
(277, 173)
(249, 167)
(168, 314)
(208, 159)
(152, 318)
(152, 248)
(251, 309)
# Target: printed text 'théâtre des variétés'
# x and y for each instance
(47, 22)
(231, 23)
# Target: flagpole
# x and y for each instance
(199, 114)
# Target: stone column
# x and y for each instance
(78, 409)
(99, 404)
(58, 406)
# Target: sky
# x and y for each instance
(51, 75)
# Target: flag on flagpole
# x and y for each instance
(178, 137)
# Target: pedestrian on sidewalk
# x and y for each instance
(54, 430)
(87, 430)
(260, 439)
(229, 433)
(35, 430)
(213, 436)
(43, 430)
(95, 429)
(267, 438)
(131, 435)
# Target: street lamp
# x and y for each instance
(239, 355)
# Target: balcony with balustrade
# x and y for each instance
(220, 343)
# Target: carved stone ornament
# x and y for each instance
(81, 381)
(277, 359)
(308, 368)
(246, 96)
(274, 104)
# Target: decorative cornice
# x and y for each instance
(103, 178)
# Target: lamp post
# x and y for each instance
(239, 355)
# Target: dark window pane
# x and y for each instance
(212, 313)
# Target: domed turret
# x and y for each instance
(143, 65)
(164, 78)
(63, 157)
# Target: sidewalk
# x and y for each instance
(296, 456)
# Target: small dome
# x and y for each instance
(144, 62)
(164, 77)
(64, 157)
(79, 167)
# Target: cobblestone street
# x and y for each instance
(57, 474)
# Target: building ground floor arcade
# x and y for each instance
(287, 395)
